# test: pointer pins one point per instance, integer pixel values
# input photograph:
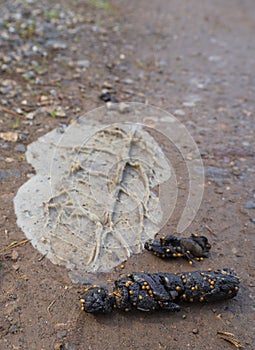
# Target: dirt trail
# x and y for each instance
(194, 59)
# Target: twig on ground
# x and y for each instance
(230, 337)
(9, 111)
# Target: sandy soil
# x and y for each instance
(194, 59)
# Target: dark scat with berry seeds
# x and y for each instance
(192, 248)
(161, 291)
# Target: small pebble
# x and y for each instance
(13, 329)
(128, 81)
(57, 45)
(250, 205)
(60, 112)
(68, 346)
(107, 85)
(189, 104)
(83, 63)
(9, 160)
(107, 97)
(195, 331)
(179, 112)
(30, 116)
(4, 67)
(234, 250)
(20, 148)
(124, 107)
(14, 255)
(62, 333)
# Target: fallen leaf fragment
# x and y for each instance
(10, 136)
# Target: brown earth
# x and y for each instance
(194, 59)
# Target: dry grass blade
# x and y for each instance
(13, 245)
(50, 306)
(230, 337)
(210, 230)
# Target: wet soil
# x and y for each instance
(194, 59)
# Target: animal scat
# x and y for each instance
(192, 248)
(161, 291)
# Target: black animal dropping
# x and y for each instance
(161, 291)
(192, 248)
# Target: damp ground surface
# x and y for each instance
(194, 59)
